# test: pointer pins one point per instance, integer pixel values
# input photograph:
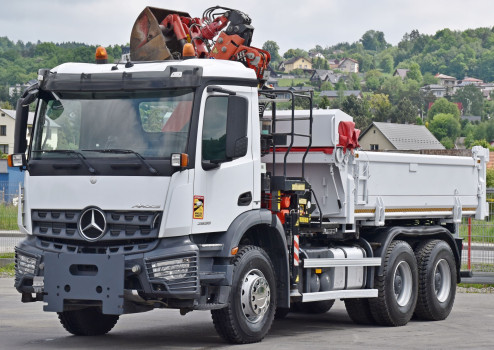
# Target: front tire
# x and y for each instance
(252, 301)
(437, 280)
(87, 322)
(397, 287)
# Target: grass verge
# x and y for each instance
(475, 285)
(7, 270)
(7, 255)
(8, 217)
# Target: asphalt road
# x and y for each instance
(26, 326)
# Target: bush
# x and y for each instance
(490, 178)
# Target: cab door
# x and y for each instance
(223, 181)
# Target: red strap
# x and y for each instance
(348, 136)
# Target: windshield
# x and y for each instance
(150, 124)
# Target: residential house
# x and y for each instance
(470, 81)
(334, 63)
(321, 75)
(333, 94)
(472, 118)
(17, 89)
(437, 90)
(348, 65)
(401, 72)
(487, 89)
(445, 80)
(296, 63)
(389, 136)
(7, 128)
(313, 55)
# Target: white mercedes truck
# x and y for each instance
(180, 184)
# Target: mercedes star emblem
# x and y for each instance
(92, 224)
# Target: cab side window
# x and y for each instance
(214, 129)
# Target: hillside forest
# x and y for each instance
(384, 97)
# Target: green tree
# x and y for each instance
(471, 98)
(414, 72)
(404, 112)
(373, 80)
(374, 40)
(359, 109)
(380, 107)
(429, 79)
(324, 103)
(445, 126)
(443, 106)
(295, 53)
(273, 49)
(387, 63)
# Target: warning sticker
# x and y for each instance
(198, 207)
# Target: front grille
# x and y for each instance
(108, 247)
(178, 274)
(62, 225)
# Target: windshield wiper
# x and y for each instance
(125, 151)
(69, 151)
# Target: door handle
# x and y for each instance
(244, 199)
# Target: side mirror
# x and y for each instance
(236, 127)
(21, 116)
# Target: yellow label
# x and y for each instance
(298, 187)
(198, 207)
(302, 201)
(304, 220)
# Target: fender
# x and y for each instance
(386, 235)
(276, 246)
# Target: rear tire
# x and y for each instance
(87, 322)
(252, 301)
(437, 280)
(397, 287)
(359, 311)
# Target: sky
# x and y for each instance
(291, 24)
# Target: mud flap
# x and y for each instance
(84, 277)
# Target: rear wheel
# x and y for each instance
(252, 302)
(89, 321)
(359, 311)
(437, 280)
(397, 287)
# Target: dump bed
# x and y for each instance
(371, 187)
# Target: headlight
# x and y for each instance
(25, 265)
(171, 269)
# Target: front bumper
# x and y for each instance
(171, 273)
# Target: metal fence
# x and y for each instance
(478, 240)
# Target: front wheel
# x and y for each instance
(252, 301)
(397, 287)
(89, 321)
(437, 280)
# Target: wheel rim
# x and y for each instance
(255, 296)
(402, 283)
(442, 280)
